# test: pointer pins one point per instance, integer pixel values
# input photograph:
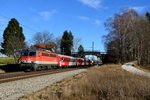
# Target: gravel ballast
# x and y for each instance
(14, 90)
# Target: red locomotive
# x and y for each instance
(40, 59)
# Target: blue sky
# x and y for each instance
(85, 18)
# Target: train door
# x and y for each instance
(60, 60)
(40, 58)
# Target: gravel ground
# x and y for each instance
(14, 90)
(129, 67)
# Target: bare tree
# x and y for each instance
(43, 37)
(122, 29)
(143, 41)
(76, 44)
(129, 37)
(57, 42)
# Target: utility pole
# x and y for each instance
(93, 50)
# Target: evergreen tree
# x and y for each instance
(148, 16)
(71, 39)
(81, 51)
(66, 43)
(13, 38)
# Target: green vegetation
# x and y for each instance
(66, 43)
(81, 51)
(6, 60)
(13, 38)
(148, 16)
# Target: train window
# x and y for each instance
(73, 60)
(66, 59)
(52, 55)
(45, 54)
(32, 54)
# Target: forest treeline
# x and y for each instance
(128, 37)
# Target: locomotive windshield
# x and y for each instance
(28, 53)
(32, 54)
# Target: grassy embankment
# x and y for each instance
(108, 82)
(6, 60)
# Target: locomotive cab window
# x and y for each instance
(28, 54)
(25, 53)
(32, 54)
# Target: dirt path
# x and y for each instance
(129, 67)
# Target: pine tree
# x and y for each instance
(71, 39)
(66, 43)
(13, 38)
(81, 51)
(148, 16)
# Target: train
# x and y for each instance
(43, 59)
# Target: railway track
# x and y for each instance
(8, 77)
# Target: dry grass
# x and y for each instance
(108, 82)
(144, 68)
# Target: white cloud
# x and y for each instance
(84, 18)
(92, 3)
(98, 22)
(90, 20)
(46, 15)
